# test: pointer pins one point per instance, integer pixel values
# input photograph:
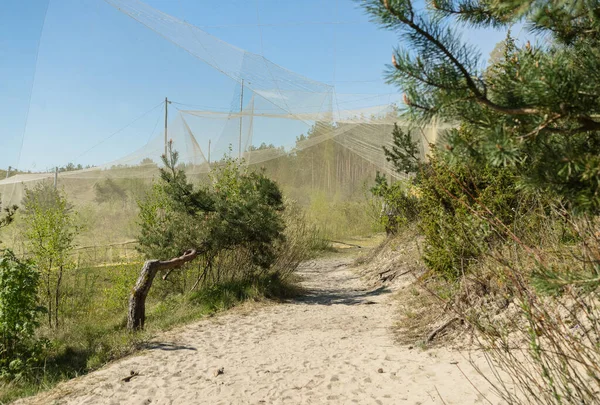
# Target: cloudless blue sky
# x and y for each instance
(97, 69)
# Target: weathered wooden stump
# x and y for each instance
(136, 315)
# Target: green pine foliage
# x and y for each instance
(7, 215)
(239, 209)
(535, 110)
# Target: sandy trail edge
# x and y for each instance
(325, 347)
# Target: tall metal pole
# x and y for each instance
(166, 117)
(55, 177)
(8, 172)
(241, 107)
(209, 152)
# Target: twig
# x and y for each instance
(395, 275)
(473, 385)
(433, 334)
(129, 377)
(440, 395)
(344, 243)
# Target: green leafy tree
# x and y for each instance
(536, 108)
(50, 230)
(19, 315)
(400, 204)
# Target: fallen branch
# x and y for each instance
(440, 329)
(397, 275)
(344, 243)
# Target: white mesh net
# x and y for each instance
(301, 131)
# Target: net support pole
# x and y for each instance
(241, 108)
(209, 152)
(8, 172)
(55, 177)
(166, 117)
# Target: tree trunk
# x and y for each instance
(57, 295)
(136, 315)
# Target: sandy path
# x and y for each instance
(327, 347)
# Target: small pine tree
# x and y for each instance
(239, 209)
(8, 215)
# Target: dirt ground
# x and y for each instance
(334, 344)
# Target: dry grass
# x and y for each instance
(396, 262)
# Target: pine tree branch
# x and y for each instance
(479, 95)
(542, 126)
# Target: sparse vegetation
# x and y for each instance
(508, 201)
(86, 300)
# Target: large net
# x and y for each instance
(321, 146)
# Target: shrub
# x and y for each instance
(19, 315)
(527, 139)
(108, 191)
(400, 203)
(458, 202)
(233, 226)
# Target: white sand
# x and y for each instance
(327, 347)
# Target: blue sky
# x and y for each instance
(97, 69)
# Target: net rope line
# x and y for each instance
(262, 52)
(299, 117)
(35, 69)
(152, 19)
(357, 125)
(285, 24)
(121, 130)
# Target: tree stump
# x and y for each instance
(136, 315)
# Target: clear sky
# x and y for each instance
(73, 72)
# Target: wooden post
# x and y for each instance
(136, 315)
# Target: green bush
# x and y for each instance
(458, 207)
(516, 186)
(456, 202)
(19, 315)
(400, 203)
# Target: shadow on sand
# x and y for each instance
(341, 297)
(167, 346)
